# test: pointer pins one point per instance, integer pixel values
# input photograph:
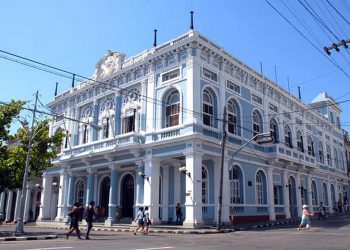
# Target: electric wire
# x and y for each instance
(335, 9)
(313, 45)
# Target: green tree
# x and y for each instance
(7, 114)
(43, 149)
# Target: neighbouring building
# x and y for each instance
(146, 131)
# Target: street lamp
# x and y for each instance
(19, 226)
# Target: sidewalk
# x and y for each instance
(6, 230)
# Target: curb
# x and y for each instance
(168, 231)
(21, 238)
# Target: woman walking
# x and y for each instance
(74, 220)
(146, 221)
(305, 220)
(90, 212)
(139, 220)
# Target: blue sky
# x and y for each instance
(74, 35)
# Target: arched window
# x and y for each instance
(274, 130)
(205, 184)
(288, 137)
(324, 194)
(256, 123)
(80, 192)
(310, 146)
(259, 188)
(235, 178)
(329, 156)
(314, 193)
(342, 161)
(320, 152)
(172, 109)
(332, 194)
(232, 117)
(300, 143)
(336, 159)
(208, 108)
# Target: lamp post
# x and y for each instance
(19, 226)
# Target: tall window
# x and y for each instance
(274, 129)
(320, 152)
(288, 137)
(300, 143)
(277, 195)
(336, 159)
(105, 131)
(259, 185)
(256, 123)
(314, 193)
(129, 123)
(80, 192)
(232, 117)
(342, 161)
(310, 146)
(329, 157)
(205, 183)
(85, 133)
(172, 109)
(208, 110)
(324, 194)
(302, 194)
(66, 139)
(235, 183)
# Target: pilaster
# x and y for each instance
(9, 205)
(45, 200)
(286, 194)
(270, 200)
(27, 205)
(113, 196)
(18, 204)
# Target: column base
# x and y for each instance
(110, 221)
(59, 219)
(193, 224)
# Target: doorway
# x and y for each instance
(127, 196)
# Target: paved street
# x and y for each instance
(330, 234)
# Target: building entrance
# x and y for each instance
(127, 196)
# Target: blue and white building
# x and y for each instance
(162, 110)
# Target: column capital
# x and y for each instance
(91, 170)
(192, 153)
(112, 166)
(139, 163)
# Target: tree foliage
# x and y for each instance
(43, 149)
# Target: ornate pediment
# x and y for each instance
(110, 63)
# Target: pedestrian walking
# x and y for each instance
(305, 218)
(139, 220)
(178, 214)
(89, 216)
(322, 212)
(74, 220)
(146, 221)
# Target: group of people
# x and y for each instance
(143, 221)
(77, 214)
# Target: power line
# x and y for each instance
(313, 45)
(338, 12)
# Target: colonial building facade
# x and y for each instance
(146, 131)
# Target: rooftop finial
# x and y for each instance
(73, 80)
(56, 89)
(191, 27)
(155, 38)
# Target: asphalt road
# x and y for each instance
(332, 234)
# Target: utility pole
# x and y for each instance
(19, 226)
(223, 144)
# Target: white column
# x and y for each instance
(45, 206)
(27, 205)
(9, 206)
(286, 194)
(165, 194)
(330, 205)
(193, 190)
(2, 204)
(270, 198)
(298, 191)
(309, 198)
(18, 204)
(62, 193)
(151, 188)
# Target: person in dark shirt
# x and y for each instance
(74, 223)
(89, 213)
